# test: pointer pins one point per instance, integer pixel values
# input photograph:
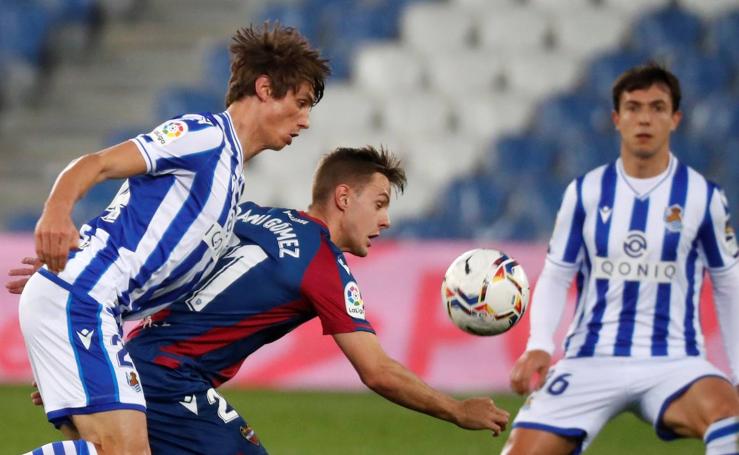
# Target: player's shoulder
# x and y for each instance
(283, 233)
(586, 182)
(202, 128)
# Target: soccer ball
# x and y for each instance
(485, 292)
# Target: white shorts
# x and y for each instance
(582, 394)
(76, 351)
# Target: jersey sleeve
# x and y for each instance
(332, 290)
(566, 244)
(180, 143)
(717, 236)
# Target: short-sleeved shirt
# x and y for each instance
(282, 270)
(165, 229)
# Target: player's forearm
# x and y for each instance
(399, 385)
(73, 182)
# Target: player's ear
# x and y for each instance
(341, 197)
(676, 117)
(263, 87)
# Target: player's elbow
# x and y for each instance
(378, 378)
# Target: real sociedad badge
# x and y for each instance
(674, 218)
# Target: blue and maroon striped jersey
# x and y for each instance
(281, 270)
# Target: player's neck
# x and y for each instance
(331, 221)
(245, 128)
(642, 167)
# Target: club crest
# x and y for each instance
(674, 218)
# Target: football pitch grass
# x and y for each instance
(328, 423)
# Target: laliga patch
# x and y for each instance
(170, 131)
(353, 300)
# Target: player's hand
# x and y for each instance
(16, 286)
(36, 396)
(480, 414)
(55, 237)
(530, 363)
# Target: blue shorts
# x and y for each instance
(199, 423)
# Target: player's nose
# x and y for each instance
(304, 121)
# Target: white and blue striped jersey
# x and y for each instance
(166, 228)
(639, 260)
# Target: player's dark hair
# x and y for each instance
(355, 166)
(278, 52)
(643, 77)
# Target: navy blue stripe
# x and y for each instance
(38, 451)
(54, 279)
(721, 432)
(191, 162)
(96, 371)
(595, 323)
(630, 295)
(58, 448)
(602, 231)
(62, 415)
(574, 239)
(146, 194)
(670, 243)
(691, 345)
(191, 208)
(707, 234)
(75, 345)
(81, 446)
(579, 281)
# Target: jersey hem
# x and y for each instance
(62, 416)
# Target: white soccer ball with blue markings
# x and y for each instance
(485, 292)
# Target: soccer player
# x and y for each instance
(164, 231)
(637, 236)
(287, 267)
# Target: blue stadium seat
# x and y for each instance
(216, 68)
(723, 36)
(667, 32)
(515, 155)
(700, 75)
(120, 135)
(24, 221)
(182, 100)
(691, 151)
(71, 11)
(579, 154)
(95, 201)
(715, 118)
(568, 114)
(605, 68)
(300, 16)
(24, 28)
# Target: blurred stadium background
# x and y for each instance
(495, 105)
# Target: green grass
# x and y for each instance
(345, 424)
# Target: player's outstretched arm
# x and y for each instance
(55, 233)
(535, 362)
(399, 385)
